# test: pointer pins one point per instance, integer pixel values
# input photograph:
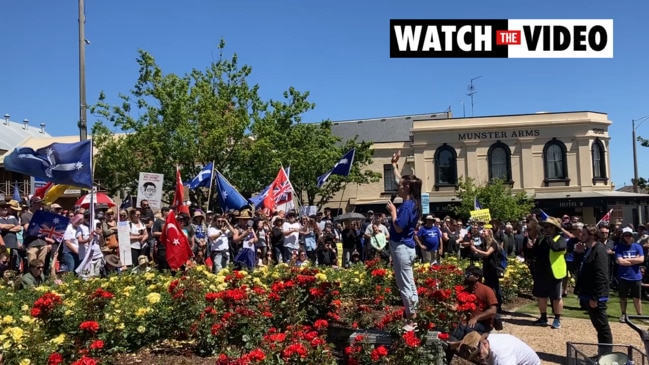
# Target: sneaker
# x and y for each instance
(410, 326)
(556, 324)
(623, 318)
(540, 322)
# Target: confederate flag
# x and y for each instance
(179, 200)
(176, 243)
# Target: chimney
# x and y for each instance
(25, 123)
(7, 119)
(43, 127)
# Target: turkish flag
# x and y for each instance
(176, 243)
(179, 200)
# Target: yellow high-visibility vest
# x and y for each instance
(558, 262)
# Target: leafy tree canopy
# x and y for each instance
(216, 115)
(497, 196)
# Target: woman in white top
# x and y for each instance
(138, 234)
(70, 255)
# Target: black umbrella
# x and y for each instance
(351, 216)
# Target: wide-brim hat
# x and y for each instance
(113, 261)
(245, 214)
(551, 221)
(13, 204)
(470, 346)
(198, 213)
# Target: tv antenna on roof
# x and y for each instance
(471, 91)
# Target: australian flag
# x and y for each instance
(60, 163)
(45, 224)
(342, 167)
(204, 177)
(228, 197)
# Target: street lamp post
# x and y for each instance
(635, 159)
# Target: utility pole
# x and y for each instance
(83, 123)
(472, 91)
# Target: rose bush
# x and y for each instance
(278, 315)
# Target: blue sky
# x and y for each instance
(337, 50)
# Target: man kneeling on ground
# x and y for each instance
(496, 349)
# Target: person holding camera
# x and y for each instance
(327, 254)
(218, 239)
(247, 256)
(138, 235)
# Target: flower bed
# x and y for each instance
(278, 315)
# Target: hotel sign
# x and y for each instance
(469, 136)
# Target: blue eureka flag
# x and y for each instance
(342, 167)
(258, 200)
(228, 197)
(16, 196)
(47, 224)
(544, 216)
(60, 163)
(204, 177)
(476, 204)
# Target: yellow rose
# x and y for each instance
(153, 298)
(224, 272)
(222, 287)
(16, 333)
(141, 329)
(27, 319)
(152, 287)
(149, 276)
(7, 320)
(25, 308)
(120, 326)
(25, 362)
(141, 312)
(321, 277)
(67, 313)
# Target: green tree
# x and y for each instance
(167, 120)
(497, 196)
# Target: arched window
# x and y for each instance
(599, 160)
(554, 160)
(445, 166)
(500, 162)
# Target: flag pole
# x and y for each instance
(209, 194)
(340, 203)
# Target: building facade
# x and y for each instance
(561, 160)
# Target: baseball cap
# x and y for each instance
(627, 230)
(429, 217)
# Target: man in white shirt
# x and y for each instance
(291, 231)
(497, 349)
(218, 236)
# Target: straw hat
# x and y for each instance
(245, 214)
(13, 204)
(551, 221)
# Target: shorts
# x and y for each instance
(629, 288)
(547, 289)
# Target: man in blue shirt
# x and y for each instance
(428, 238)
(629, 256)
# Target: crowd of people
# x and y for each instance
(555, 250)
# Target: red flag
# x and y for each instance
(606, 219)
(179, 200)
(40, 192)
(176, 243)
(280, 191)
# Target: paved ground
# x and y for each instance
(550, 344)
